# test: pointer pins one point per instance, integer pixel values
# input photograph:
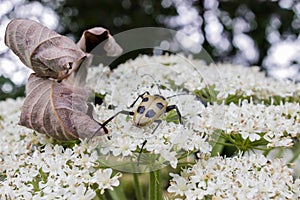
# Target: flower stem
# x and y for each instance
(155, 187)
(100, 196)
(296, 154)
(137, 187)
(117, 193)
(218, 147)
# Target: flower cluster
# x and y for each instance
(33, 168)
(239, 177)
(171, 139)
(219, 104)
(192, 74)
(273, 124)
(277, 124)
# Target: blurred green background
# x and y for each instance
(249, 32)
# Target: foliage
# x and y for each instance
(14, 90)
(256, 23)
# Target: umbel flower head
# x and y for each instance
(170, 140)
(246, 114)
(221, 106)
(239, 177)
(33, 168)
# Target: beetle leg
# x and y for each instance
(140, 96)
(172, 107)
(140, 153)
(101, 127)
(158, 121)
(143, 144)
(125, 112)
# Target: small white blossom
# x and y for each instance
(179, 185)
(241, 177)
(33, 168)
(83, 193)
(104, 180)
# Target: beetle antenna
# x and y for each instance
(196, 97)
(175, 95)
(153, 80)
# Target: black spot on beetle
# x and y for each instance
(159, 105)
(150, 113)
(141, 109)
(145, 99)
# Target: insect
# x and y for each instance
(149, 110)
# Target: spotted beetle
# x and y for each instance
(150, 109)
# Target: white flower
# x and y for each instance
(29, 159)
(170, 156)
(7, 191)
(104, 180)
(83, 193)
(33, 168)
(179, 185)
(241, 177)
(54, 165)
(251, 120)
(50, 186)
(124, 147)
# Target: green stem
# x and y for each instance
(261, 148)
(217, 149)
(225, 144)
(117, 193)
(35, 184)
(296, 154)
(137, 187)
(100, 196)
(155, 187)
(43, 175)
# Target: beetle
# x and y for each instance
(149, 110)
